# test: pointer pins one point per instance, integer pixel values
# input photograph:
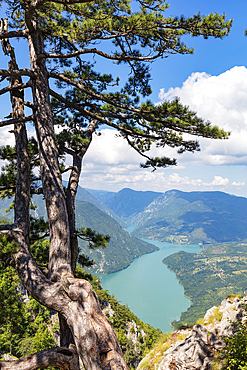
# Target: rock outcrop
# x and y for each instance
(197, 350)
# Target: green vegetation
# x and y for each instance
(234, 355)
(163, 343)
(209, 277)
(27, 327)
(24, 323)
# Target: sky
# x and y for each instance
(213, 83)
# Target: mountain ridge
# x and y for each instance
(183, 217)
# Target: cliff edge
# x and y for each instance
(196, 348)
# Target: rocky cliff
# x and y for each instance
(196, 348)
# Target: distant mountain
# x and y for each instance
(127, 202)
(102, 195)
(179, 217)
(196, 217)
(122, 248)
(82, 194)
(86, 196)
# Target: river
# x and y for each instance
(149, 288)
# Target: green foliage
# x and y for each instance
(234, 354)
(23, 325)
(13, 315)
(133, 353)
(209, 277)
(7, 247)
(38, 226)
(94, 239)
(42, 339)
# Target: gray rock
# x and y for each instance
(196, 351)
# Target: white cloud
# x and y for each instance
(7, 137)
(222, 100)
(111, 164)
(238, 183)
(111, 149)
(219, 181)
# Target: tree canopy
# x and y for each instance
(67, 40)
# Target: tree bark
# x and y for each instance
(60, 254)
(94, 336)
(63, 357)
(22, 193)
(66, 336)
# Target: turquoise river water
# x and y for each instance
(149, 288)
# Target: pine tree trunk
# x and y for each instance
(60, 255)
(74, 299)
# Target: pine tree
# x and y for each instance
(63, 37)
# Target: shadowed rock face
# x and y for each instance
(196, 351)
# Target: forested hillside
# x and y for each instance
(122, 248)
(128, 202)
(210, 276)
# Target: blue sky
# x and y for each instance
(213, 82)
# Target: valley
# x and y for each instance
(215, 221)
(185, 218)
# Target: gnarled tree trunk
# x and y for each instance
(82, 321)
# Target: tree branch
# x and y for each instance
(98, 52)
(9, 227)
(16, 87)
(16, 120)
(37, 191)
(63, 78)
(29, 105)
(92, 115)
(70, 167)
(14, 73)
(65, 358)
(10, 230)
(12, 34)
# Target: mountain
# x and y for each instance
(122, 248)
(102, 195)
(127, 202)
(86, 196)
(196, 217)
(179, 217)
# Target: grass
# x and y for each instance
(216, 316)
(157, 353)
